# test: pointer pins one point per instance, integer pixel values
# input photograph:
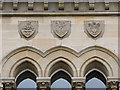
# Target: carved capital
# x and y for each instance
(1, 86)
(113, 84)
(78, 85)
(9, 85)
(43, 85)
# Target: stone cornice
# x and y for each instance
(59, 7)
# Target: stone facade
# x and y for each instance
(47, 52)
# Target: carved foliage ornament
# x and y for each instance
(113, 84)
(94, 29)
(78, 85)
(61, 28)
(43, 85)
(28, 29)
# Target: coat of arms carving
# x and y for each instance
(61, 28)
(28, 29)
(94, 29)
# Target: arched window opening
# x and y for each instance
(61, 83)
(95, 80)
(61, 80)
(95, 84)
(27, 84)
(26, 79)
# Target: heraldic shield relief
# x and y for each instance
(28, 29)
(61, 28)
(94, 29)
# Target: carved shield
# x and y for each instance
(93, 28)
(28, 29)
(61, 28)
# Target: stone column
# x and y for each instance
(43, 83)
(78, 83)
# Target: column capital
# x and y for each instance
(8, 83)
(113, 84)
(78, 83)
(43, 83)
(1, 86)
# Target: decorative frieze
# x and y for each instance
(61, 28)
(94, 28)
(80, 5)
(28, 29)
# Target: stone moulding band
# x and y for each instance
(59, 13)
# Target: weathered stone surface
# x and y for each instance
(75, 55)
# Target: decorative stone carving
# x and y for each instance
(113, 85)
(94, 29)
(1, 86)
(61, 28)
(43, 85)
(9, 85)
(78, 85)
(28, 29)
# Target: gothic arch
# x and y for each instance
(68, 66)
(38, 51)
(61, 73)
(24, 75)
(99, 63)
(14, 59)
(33, 66)
(101, 49)
(96, 74)
(57, 48)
